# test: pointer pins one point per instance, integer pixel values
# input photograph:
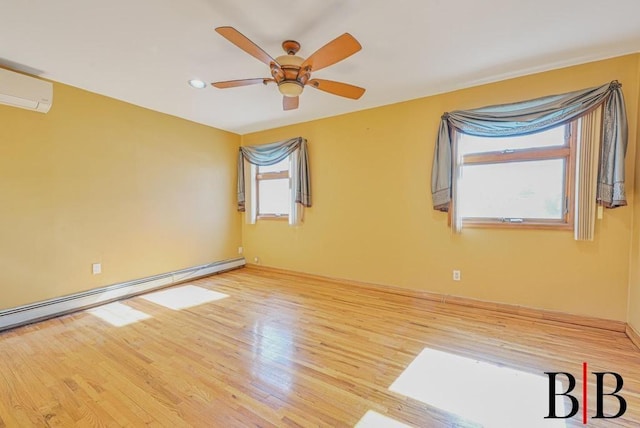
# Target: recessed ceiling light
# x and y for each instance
(198, 84)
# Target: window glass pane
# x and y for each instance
(273, 196)
(532, 189)
(471, 144)
(283, 165)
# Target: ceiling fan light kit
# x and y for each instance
(290, 72)
(290, 88)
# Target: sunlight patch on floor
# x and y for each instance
(480, 392)
(373, 419)
(118, 314)
(187, 296)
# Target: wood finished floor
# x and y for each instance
(280, 351)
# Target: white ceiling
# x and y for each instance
(144, 51)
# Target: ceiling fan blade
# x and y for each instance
(337, 88)
(334, 51)
(290, 103)
(241, 82)
(241, 41)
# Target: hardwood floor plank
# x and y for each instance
(282, 350)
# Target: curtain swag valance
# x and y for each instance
(269, 154)
(541, 114)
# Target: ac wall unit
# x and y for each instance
(19, 90)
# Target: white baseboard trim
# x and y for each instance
(21, 315)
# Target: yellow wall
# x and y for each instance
(634, 277)
(99, 180)
(372, 220)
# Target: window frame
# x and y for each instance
(567, 151)
(274, 175)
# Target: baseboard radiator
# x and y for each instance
(21, 315)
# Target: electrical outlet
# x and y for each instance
(456, 275)
(96, 268)
(256, 260)
(240, 250)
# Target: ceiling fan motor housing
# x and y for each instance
(287, 77)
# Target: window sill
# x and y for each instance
(273, 217)
(479, 224)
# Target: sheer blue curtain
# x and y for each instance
(528, 117)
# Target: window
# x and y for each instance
(273, 190)
(516, 181)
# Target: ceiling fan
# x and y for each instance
(292, 73)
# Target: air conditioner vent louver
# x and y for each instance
(19, 90)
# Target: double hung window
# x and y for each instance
(273, 187)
